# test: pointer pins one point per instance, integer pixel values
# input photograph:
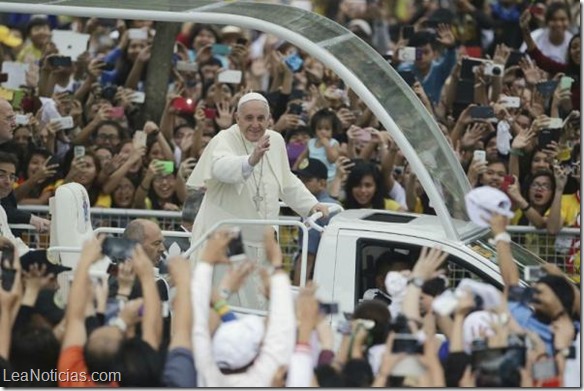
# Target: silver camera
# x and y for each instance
(493, 69)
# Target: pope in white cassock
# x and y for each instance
(245, 171)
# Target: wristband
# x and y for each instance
(526, 208)
(516, 152)
(219, 304)
(224, 293)
(502, 237)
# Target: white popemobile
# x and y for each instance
(351, 242)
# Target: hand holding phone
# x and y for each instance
(235, 248)
(118, 249)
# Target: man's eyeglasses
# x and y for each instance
(6, 175)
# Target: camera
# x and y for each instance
(118, 249)
(493, 69)
(407, 343)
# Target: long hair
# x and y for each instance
(358, 172)
(572, 68)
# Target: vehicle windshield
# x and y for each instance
(522, 257)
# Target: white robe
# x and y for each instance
(230, 195)
(5, 231)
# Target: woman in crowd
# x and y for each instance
(365, 189)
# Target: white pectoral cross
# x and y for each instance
(257, 199)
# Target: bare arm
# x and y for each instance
(152, 318)
(554, 223)
(509, 270)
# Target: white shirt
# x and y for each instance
(542, 40)
(5, 231)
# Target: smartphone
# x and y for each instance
(508, 180)
(469, 67)
(186, 66)
(294, 62)
(407, 32)
(408, 76)
(3, 77)
(407, 343)
(514, 58)
(65, 122)
(78, 151)
(520, 294)
(220, 50)
(7, 254)
(328, 308)
(229, 77)
(409, 54)
(544, 369)
(139, 139)
(547, 88)
(555, 123)
(566, 83)
(21, 119)
(118, 249)
(295, 108)
(479, 155)
(482, 112)
(210, 113)
(184, 105)
(533, 273)
(113, 269)
(60, 61)
(7, 277)
(117, 112)
(108, 66)
(235, 249)
(480, 356)
(546, 136)
(363, 135)
(138, 97)
(479, 344)
(53, 160)
(141, 34)
(168, 166)
(510, 102)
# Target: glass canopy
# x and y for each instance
(359, 65)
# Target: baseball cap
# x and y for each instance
(236, 343)
(312, 168)
(483, 202)
(361, 25)
(231, 30)
(40, 258)
(9, 39)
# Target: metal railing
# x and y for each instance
(552, 248)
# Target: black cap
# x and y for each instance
(312, 168)
(40, 257)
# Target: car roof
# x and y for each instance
(401, 222)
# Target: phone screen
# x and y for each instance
(118, 249)
(235, 249)
(406, 343)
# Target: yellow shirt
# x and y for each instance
(103, 200)
(390, 204)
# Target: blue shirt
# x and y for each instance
(439, 72)
(525, 317)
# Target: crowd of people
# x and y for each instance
(501, 79)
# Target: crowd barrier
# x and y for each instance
(552, 248)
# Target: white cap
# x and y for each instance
(236, 343)
(483, 202)
(251, 96)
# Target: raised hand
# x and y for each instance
(523, 139)
(224, 114)
(445, 35)
(428, 262)
(259, 151)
